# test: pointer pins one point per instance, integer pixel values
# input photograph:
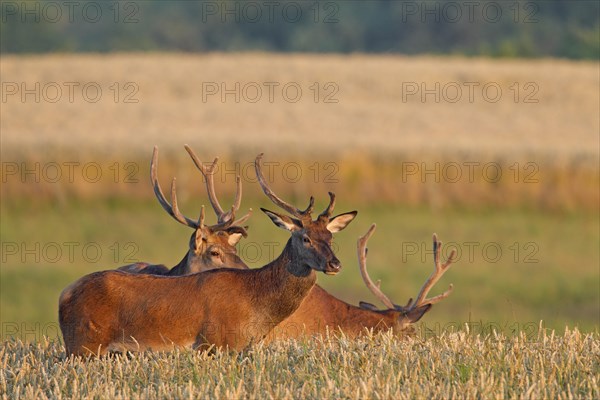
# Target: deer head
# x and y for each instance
(210, 246)
(310, 240)
(413, 310)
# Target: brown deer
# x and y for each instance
(321, 312)
(211, 246)
(228, 308)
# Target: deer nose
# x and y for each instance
(333, 267)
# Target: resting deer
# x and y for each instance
(321, 312)
(227, 308)
(211, 246)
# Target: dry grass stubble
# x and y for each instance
(453, 365)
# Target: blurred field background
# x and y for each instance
(528, 237)
(533, 146)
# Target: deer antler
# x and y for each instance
(173, 210)
(362, 263)
(439, 270)
(224, 219)
(306, 214)
(421, 299)
(328, 211)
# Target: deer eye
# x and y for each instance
(214, 253)
(306, 239)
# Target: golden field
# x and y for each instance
(490, 132)
(555, 117)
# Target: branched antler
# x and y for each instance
(208, 173)
(421, 299)
(224, 219)
(439, 270)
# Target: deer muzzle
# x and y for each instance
(333, 267)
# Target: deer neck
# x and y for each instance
(181, 268)
(284, 283)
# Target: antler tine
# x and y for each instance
(172, 210)
(226, 222)
(238, 193)
(208, 173)
(240, 221)
(271, 195)
(176, 213)
(199, 232)
(362, 263)
(327, 212)
(236, 204)
(439, 270)
(201, 218)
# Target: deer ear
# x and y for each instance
(283, 221)
(341, 221)
(416, 314)
(234, 238)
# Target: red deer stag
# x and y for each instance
(228, 308)
(211, 246)
(321, 312)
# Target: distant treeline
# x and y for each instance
(505, 28)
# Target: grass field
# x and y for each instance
(516, 269)
(454, 365)
(512, 184)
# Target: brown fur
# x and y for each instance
(321, 312)
(113, 310)
(230, 308)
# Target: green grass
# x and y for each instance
(559, 286)
(453, 365)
